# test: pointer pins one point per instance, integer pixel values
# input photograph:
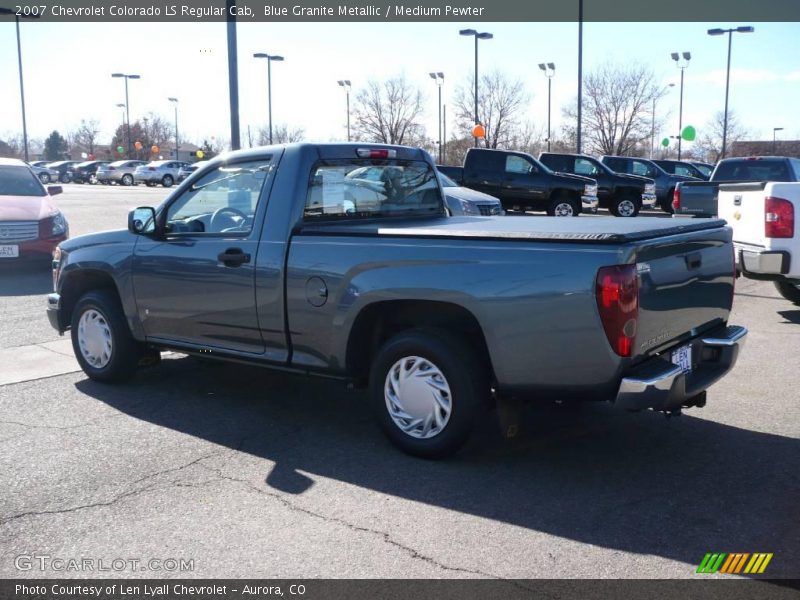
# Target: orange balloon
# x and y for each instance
(154, 149)
(138, 145)
(478, 131)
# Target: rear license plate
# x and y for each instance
(682, 357)
(9, 251)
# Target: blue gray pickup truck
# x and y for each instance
(285, 257)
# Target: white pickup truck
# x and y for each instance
(765, 235)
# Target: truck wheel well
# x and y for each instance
(378, 322)
(77, 285)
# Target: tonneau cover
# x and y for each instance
(604, 230)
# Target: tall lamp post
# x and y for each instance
(653, 122)
(345, 83)
(478, 36)
(177, 139)
(8, 11)
(730, 32)
(549, 69)
(122, 129)
(775, 130)
(270, 58)
(681, 64)
(438, 78)
(127, 106)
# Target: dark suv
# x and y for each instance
(622, 195)
(86, 172)
(665, 182)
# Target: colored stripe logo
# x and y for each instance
(735, 563)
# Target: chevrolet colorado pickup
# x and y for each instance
(623, 195)
(523, 183)
(699, 198)
(286, 257)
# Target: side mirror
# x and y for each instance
(142, 220)
(54, 190)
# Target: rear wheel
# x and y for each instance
(127, 179)
(789, 290)
(167, 181)
(564, 205)
(426, 387)
(101, 339)
(627, 206)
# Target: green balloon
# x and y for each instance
(120, 149)
(665, 142)
(689, 133)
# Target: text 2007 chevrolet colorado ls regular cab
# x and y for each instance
(285, 257)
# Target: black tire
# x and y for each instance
(466, 377)
(557, 206)
(625, 206)
(64, 178)
(127, 179)
(125, 351)
(666, 204)
(167, 181)
(44, 178)
(789, 290)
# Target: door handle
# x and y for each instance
(694, 260)
(233, 257)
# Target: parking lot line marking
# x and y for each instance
(36, 361)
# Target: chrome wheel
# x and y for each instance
(94, 338)
(563, 209)
(626, 208)
(418, 397)
(44, 178)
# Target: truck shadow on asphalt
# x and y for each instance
(676, 488)
(25, 279)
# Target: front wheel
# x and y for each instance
(666, 203)
(44, 178)
(167, 181)
(624, 207)
(426, 388)
(127, 180)
(564, 206)
(789, 290)
(93, 179)
(101, 339)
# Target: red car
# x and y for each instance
(30, 225)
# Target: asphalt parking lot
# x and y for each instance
(249, 473)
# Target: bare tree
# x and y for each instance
(11, 145)
(617, 108)
(501, 102)
(389, 112)
(281, 134)
(85, 136)
(709, 145)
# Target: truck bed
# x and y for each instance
(599, 230)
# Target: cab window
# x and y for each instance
(585, 167)
(643, 169)
(223, 201)
(518, 165)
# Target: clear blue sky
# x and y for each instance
(68, 66)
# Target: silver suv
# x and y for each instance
(120, 172)
(164, 172)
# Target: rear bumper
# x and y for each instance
(660, 385)
(589, 203)
(760, 263)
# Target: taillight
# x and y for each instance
(617, 293)
(778, 218)
(676, 199)
(376, 153)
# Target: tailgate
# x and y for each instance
(698, 198)
(685, 287)
(742, 206)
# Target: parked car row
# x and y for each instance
(121, 172)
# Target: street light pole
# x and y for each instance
(438, 78)
(579, 145)
(270, 58)
(730, 32)
(653, 123)
(127, 105)
(177, 139)
(549, 69)
(478, 36)
(345, 83)
(8, 11)
(444, 134)
(775, 130)
(687, 56)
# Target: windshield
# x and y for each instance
(19, 181)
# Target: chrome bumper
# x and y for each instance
(589, 203)
(759, 261)
(661, 385)
(649, 200)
